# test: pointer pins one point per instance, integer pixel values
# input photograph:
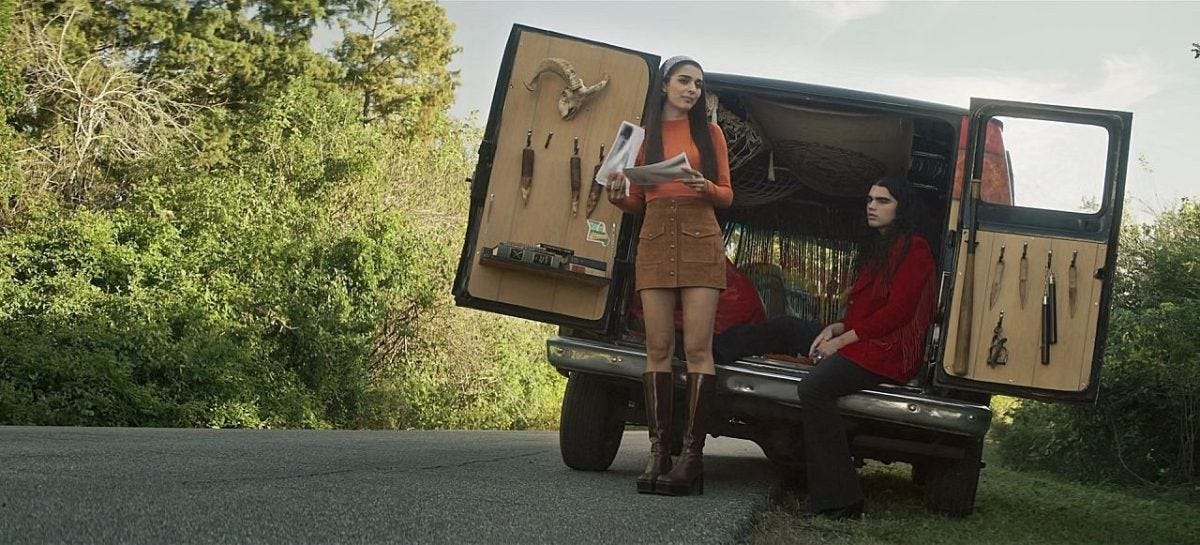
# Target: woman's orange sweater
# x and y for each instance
(676, 138)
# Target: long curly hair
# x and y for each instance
(874, 256)
(697, 119)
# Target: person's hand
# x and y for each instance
(696, 182)
(827, 348)
(824, 336)
(617, 182)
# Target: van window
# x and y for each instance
(1054, 165)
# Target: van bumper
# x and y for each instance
(775, 382)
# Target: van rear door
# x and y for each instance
(531, 249)
(1033, 276)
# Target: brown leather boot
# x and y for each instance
(658, 388)
(687, 477)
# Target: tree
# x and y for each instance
(395, 53)
(231, 52)
(86, 111)
(10, 93)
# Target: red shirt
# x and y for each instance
(891, 320)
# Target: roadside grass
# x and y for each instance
(1012, 507)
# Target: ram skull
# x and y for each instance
(575, 95)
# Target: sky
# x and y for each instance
(1133, 57)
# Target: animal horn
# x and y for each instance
(560, 67)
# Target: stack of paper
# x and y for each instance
(623, 156)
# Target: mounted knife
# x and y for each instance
(1023, 273)
(596, 189)
(575, 179)
(1073, 283)
(1052, 294)
(996, 276)
(527, 167)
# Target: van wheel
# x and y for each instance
(950, 485)
(590, 428)
(786, 453)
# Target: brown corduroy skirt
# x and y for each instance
(680, 246)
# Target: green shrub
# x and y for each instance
(1144, 427)
(300, 279)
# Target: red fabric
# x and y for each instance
(739, 303)
(891, 321)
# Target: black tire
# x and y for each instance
(786, 453)
(590, 429)
(950, 485)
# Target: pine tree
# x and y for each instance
(395, 53)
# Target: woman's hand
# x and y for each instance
(828, 333)
(697, 182)
(823, 349)
(617, 182)
(827, 341)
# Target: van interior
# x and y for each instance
(800, 171)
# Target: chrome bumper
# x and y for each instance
(762, 379)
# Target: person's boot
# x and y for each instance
(687, 477)
(658, 389)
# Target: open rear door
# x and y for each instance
(532, 249)
(1033, 276)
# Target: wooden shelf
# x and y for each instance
(487, 258)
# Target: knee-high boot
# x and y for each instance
(687, 477)
(658, 389)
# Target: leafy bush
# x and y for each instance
(1145, 425)
(302, 279)
(243, 295)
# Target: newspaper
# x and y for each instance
(660, 172)
(623, 155)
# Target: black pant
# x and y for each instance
(832, 480)
(783, 335)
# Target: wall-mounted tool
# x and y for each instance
(998, 352)
(996, 276)
(966, 310)
(1045, 345)
(527, 167)
(1072, 283)
(596, 189)
(1023, 273)
(1052, 294)
(576, 179)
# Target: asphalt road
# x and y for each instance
(118, 485)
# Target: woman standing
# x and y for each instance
(680, 259)
(880, 339)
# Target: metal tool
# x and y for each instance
(576, 179)
(596, 190)
(527, 167)
(998, 352)
(1023, 273)
(997, 275)
(1072, 283)
(1052, 297)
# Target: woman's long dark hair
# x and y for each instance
(697, 118)
(874, 256)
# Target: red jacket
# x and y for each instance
(891, 320)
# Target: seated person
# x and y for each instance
(881, 339)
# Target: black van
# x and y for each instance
(1024, 287)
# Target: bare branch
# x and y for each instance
(101, 111)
